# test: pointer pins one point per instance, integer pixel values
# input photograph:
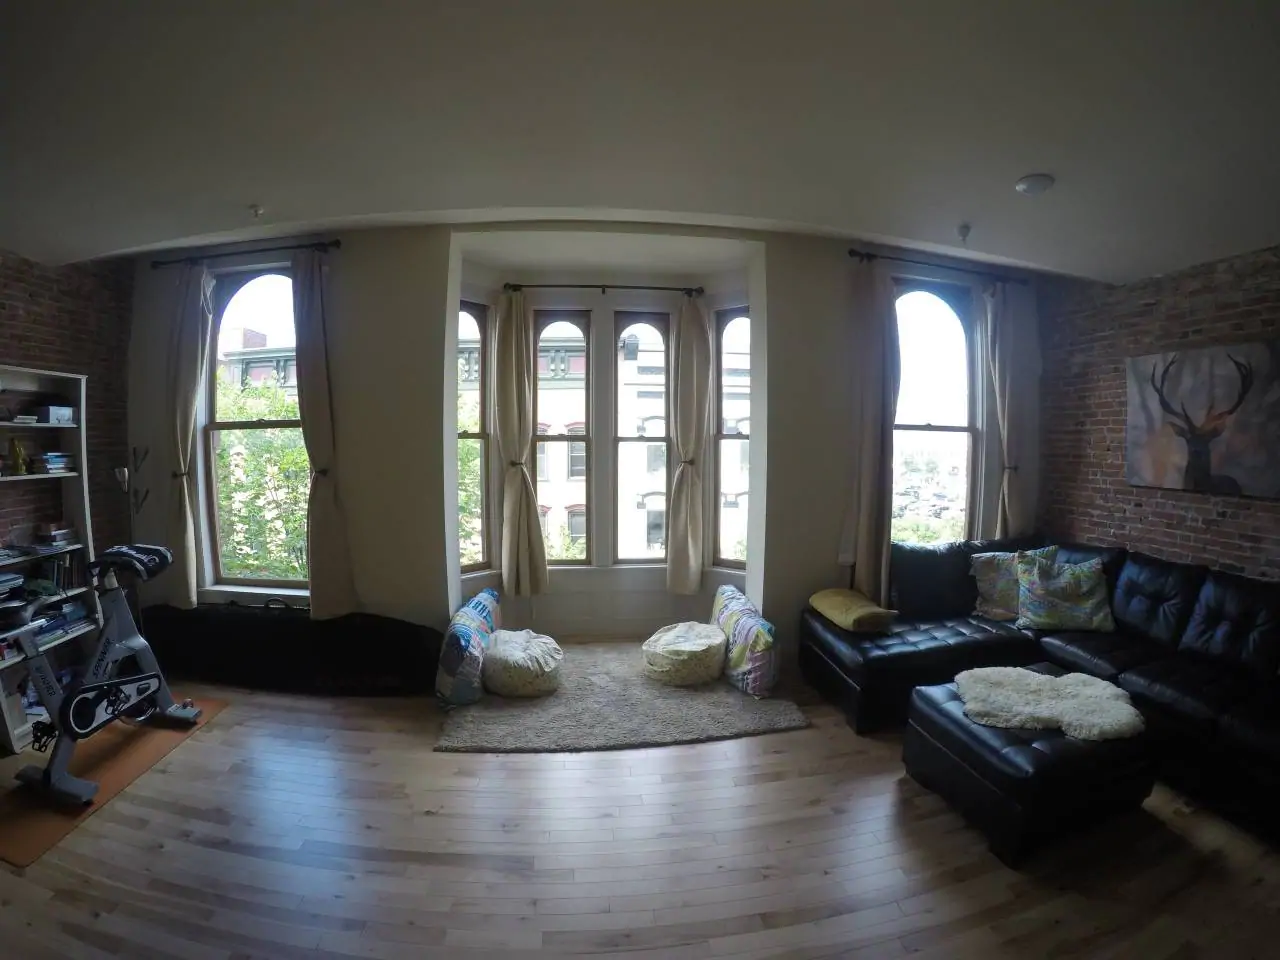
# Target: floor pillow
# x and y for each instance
(521, 663)
(751, 657)
(684, 654)
(458, 680)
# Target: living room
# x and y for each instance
(633, 318)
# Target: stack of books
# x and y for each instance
(53, 536)
(52, 463)
(26, 418)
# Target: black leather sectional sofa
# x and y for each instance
(1198, 651)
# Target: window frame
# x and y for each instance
(723, 317)
(582, 320)
(226, 285)
(622, 319)
(480, 313)
(960, 299)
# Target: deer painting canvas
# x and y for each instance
(1206, 420)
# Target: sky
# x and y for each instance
(934, 387)
(265, 305)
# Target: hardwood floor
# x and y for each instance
(308, 828)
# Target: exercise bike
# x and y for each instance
(98, 695)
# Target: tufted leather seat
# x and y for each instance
(1190, 690)
(1019, 785)
(1236, 620)
(1105, 655)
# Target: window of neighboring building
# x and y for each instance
(473, 435)
(934, 433)
(733, 431)
(561, 405)
(542, 518)
(577, 516)
(577, 452)
(640, 437)
(259, 477)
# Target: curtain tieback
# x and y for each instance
(321, 472)
(1011, 468)
(515, 463)
(178, 475)
(688, 462)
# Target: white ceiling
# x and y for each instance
(649, 253)
(127, 126)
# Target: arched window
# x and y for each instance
(259, 473)
(640, 436)
(560, 404)
(733, 434)
(934, 433)
(473, 436)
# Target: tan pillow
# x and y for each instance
(852, 610)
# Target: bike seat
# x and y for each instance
(142, 560)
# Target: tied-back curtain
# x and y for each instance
(524, 558)
(1011, 344)
(188, 354)
(864, 540)
(691, 403)
(333, 590)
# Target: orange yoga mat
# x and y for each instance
(114, 757)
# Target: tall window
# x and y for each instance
(933, 437)
(733, 434)
(563, 452)
(473, 435)
(641, 436)
(259, 477)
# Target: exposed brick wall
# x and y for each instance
(73, 319)
(1087, 331)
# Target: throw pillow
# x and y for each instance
(997, 578)
(853, 610)
(751, 660)
(1063, 596)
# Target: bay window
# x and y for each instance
(563, 451)
(732, 441)
(640, 439)
(473, 436)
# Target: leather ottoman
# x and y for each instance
(1019, 787)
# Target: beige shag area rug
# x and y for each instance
(605, 702)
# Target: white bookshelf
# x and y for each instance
(22, 390)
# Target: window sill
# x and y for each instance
(253, 596)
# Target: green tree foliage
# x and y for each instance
(470, 483)
(263, 479)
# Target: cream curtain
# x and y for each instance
(874, 369)
(188, 353)
(524, 559)
(333, 590)
(1011, 344)
(690, 408)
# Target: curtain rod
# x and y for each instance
(320, 245)
(864, 257)
(602, 287)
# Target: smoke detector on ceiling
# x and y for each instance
(1034, 184)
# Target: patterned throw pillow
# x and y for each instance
(458, 678)
(997, 577)
(751, 663)
(1063, 596)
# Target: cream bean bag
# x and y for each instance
(684, 654)
(521, 663)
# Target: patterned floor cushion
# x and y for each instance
(521, 663)
(684, 654)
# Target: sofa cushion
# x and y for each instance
(1236, 621)
(996, 575)
(917, 651)
(1154, 598)
(1194, 690)
(1105, 655)
(1062, 596)
(1253, 727)
(932, 581)
(1112, 559)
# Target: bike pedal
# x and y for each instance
(43, 734)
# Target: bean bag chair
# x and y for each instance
(684, 654)
(521, 663)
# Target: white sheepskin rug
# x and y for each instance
(1083, 707)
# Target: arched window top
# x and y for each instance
(645, 336)
(934, 385)
(258, 316)
(468, 329)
